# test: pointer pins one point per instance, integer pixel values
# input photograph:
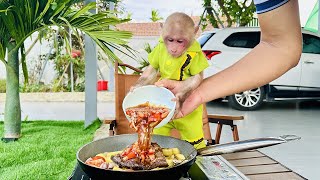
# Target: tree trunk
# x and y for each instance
(12, 114)
(207, 5)
(225, 12)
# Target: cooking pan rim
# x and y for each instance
(188, 159)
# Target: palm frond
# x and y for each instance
(21, 18)
(43, 9)
(97, 26)
(3, 39)
(109, 36)
(130, 52)
(84, 10)
(58, 10)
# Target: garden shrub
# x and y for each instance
(35, 88)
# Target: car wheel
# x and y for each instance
(247, 100)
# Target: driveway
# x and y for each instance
(66, 111)
(275, 119)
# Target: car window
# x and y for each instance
(311, 44)
(243, 39)
(204, 38)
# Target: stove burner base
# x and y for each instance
(79, 174)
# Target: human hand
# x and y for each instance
(191, 103)
(175, 87)
(185, 103)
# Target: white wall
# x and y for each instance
(137, 43)
(32, 57)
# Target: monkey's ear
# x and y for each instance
(161, 25)
(196, 29)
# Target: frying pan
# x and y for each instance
(119, 142)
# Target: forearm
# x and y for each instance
(149, 76)
(193, 82)
(278, 51)
(188, 86)
(264, 64)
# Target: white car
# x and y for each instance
(226, 46)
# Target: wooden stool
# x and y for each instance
(221, 120)
(112, 124)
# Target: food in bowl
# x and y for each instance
(148, 113)
(153, 94)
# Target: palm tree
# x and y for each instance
(19, 19)
(155, 16)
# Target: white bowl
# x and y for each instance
(155, 95)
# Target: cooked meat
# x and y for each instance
(136, 164)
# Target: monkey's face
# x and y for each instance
(176, 46)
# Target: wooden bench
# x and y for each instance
(258, 166)
(221, 120)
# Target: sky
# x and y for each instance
(141, 9)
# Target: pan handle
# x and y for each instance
(290, 137)
(245, 145)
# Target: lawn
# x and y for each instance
(46, 150)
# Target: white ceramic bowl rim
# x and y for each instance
(158, 96)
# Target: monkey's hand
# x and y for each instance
(149, 76)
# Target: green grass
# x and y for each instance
(46, 150)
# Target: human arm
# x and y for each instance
(279, 50)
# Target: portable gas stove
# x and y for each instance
(214, 168)
(205, 168)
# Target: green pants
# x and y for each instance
(190, 128)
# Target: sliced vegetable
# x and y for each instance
(151, 151)
(103, 155)
(131, 155)
(98, 157)
(116, 168)
(175, 151)
(170, 162)
(180, 156)
(167, 152)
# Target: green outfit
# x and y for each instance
(190, 63)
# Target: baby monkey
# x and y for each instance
(178, 34)
(178, 57)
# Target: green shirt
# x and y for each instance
(178, 68)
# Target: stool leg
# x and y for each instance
(218, 133)
(234, 129)
(111, 132)
(111, 128)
